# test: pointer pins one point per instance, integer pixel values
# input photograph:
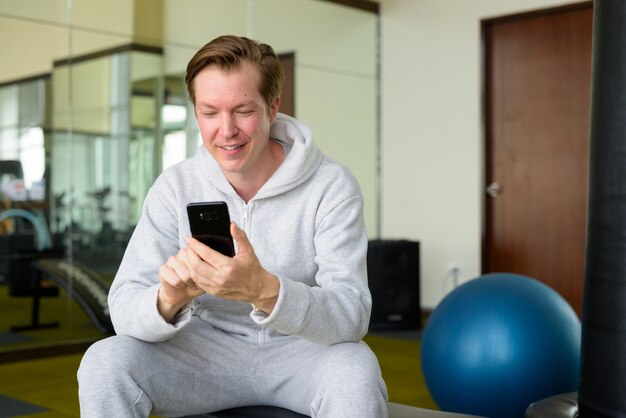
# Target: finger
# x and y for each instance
(201, 252)
(202, 272)
(168, 276)
(178, 266)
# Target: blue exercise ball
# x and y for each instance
(499, 342)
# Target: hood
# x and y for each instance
(301, 162)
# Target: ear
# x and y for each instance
(274, 108)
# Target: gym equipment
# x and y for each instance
(499, 342)
(558, 406)
(24, 281)
(15, 264)
(44, 240)
(83, 285)
(26, 268)
(12, 169)
(11, 174)
(603, 365)
(395, 411)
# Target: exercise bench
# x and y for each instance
(395, 411)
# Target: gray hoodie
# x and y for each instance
(305, 225)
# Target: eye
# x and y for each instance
(245, 112)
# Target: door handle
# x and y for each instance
(494, 189)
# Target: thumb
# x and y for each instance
(240, 236)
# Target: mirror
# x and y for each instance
(93, 107)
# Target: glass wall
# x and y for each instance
(93, 107)
(109, 129)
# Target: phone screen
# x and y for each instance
(210, 224)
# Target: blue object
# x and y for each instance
(498, 343)
(43, 236)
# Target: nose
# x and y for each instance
(228, 128)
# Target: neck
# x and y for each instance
(247, 184)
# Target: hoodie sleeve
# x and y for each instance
(338, 308)
(133, 295)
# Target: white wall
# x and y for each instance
(431, 131)
(34, 33)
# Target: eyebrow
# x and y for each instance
(238, 106)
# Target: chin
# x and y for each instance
(229, 167)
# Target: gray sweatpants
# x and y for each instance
(203, 369)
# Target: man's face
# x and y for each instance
(233, 118)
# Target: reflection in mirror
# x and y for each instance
(175, 114)
(22, 124)
(81, 144)
(112, 146)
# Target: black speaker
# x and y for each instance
(394, 280)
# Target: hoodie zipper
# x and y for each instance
(245, 211)
(260, 334)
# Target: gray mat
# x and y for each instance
(10, 407)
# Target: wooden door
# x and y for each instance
(537, 77)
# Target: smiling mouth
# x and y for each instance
(231, 147)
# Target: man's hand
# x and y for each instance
(177, 286)
(240, 278)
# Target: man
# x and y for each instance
(280, 323)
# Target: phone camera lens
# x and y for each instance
(209, 216)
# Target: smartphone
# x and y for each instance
(210, 224)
